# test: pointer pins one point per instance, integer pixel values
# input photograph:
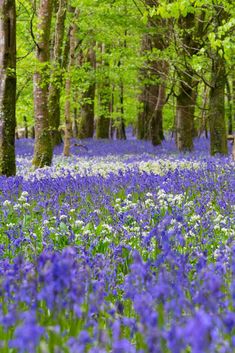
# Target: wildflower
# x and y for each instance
(24, 193)
(22, 199)
(63, 217)
(27, 335)
(6, 203)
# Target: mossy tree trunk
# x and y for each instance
(43, 151)
(218, 133)
(7, 87)
(56, 75)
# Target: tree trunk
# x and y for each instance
(144, 97)
(152, 98)
(43, 151)
(26, 130)
(103, 121)
(230, 107)
(68, 119)
(203, 122)
(186, 99)
(86, 123)
(121, 130)
(56, 76)
(233, 101)
(185, 115)
(111, 109)
(218, 134)
(156, 119)
(75, 122)
(102, 127)
(7, 87)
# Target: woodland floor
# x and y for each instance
(122, 247)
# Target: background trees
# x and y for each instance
(161, 66)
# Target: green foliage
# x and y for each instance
(119, 26)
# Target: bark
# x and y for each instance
(32, 132)
(121, 130)
(56, 76)
(186, 99)
(218, 133)
(156, 119)
(233, 100)
(104, 96)
(26, 130)
(230, 107)
(7, 87)
(185, 114)
(111, 109)
(152, 97)
(43, 146)
(68, 120)
(144, 97)
(75, 123)
(87, 113)
(204, 118)
(86, 124)
(68, 84)
(102, 127)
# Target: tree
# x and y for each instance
(104, 97)
(56, 76)
(218, 132)
(68, 85)
(43, 145)
(186, 97)
(86, 122)
(7, 87)
(153, 75)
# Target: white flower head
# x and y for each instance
(6, 203)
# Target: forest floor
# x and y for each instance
(122, 247)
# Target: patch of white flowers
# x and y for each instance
(75, 165)
(167, 199)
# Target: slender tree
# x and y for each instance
(230, 107)
(144, 97)
(68, 84)
(121, 130)
(7, 86)
(56, 76)
(87, 111)
(43, 145)
(104, 97)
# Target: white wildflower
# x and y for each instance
(6, 203)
